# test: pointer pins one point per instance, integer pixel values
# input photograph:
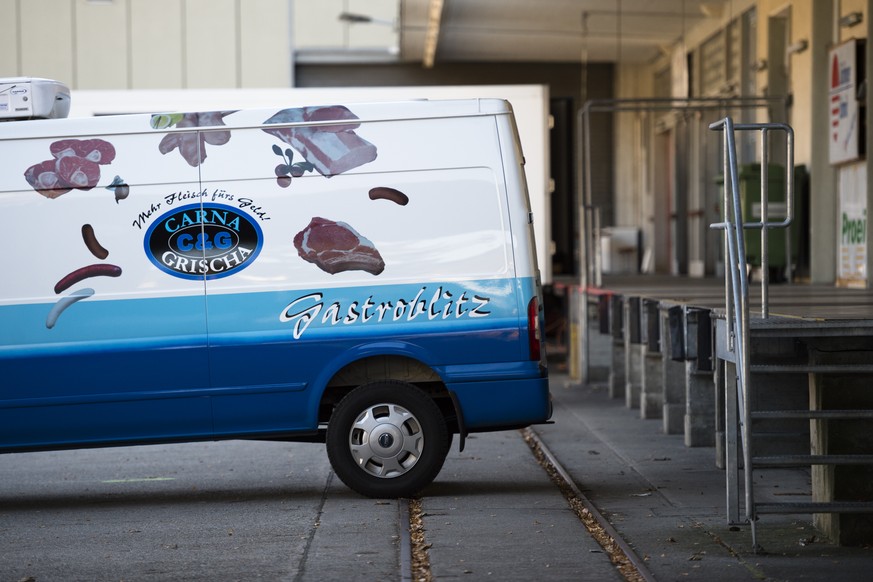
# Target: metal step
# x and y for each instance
(806, 460)
(811, 368)
(816, 507)
(812, 414)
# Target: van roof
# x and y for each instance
(143, 122)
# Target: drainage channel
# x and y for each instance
(620, 553)
(415, 561)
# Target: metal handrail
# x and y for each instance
(590, 263)
(736, 276)
(590, 266)
(764, 224)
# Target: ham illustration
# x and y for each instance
(332, 149)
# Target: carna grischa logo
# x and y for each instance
(203, 241)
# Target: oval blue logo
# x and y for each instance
(203, 241)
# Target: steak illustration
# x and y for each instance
(76, 164)
(335, 247)
(44, 178)
(78, 172)
(98, 151)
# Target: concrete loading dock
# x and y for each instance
(663, 341)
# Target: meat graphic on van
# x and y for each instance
(191, 145)
(333, 148)
(336, 247)
(89, 237)
(75, 164)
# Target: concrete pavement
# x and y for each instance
(668, 500)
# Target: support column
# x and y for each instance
(700, 402)
(672, 325)
(700, 407)
(617, 377)
(632, 352)
(718, 389)
(842, 437)
(652, 383)
(599, 342)
(822, 475)
(732, 442)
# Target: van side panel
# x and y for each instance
(200, 275)
(93, 347)
(429, 216)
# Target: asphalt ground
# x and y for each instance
(275, 511)
(494, 514)
(668, 501)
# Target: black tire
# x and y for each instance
(387, 439)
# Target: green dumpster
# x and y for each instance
(750, 199)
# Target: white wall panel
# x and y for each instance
(9, 39)
(265, 43)
(150, 44)
(157, 59)
(101, 44)
(47, 40)
(316, 24)
(211, 43)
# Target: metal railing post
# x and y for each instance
(736, 278)
(765, 238)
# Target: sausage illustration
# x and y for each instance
(98, 270)
(65, 302)
(91, 242)
(385, 193)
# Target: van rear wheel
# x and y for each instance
(387, 439)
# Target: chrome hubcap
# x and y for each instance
(386, 440)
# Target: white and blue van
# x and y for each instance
(360, 275)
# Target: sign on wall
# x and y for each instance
(852, 226)
(845, 115)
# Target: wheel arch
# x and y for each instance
(388, 361)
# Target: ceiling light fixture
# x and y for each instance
(352, 18)
(851, 19)
(759, 65)
(797, 47)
